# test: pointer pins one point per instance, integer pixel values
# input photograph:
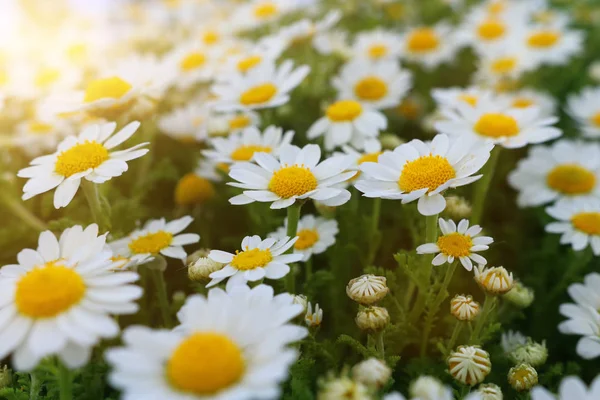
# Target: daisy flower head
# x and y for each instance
(191, 63)
(257, 260)
(471, 96)
(252, 56)
(87, 155)
(295, 175)
(266, 86)
(429, 46)
(315, 235)
(257, 13)
(224, 358)
(528, 98)
(41, 133)
(493, 123)
(377, 45)
(565, 170)
(33, 81)
(504, 64)
(61, 307)
(348, 122)
(375, 85)
(584, 108)
(578, 223)
(146, 71)
(225, 124)
(552, 45)
(307, 31)
(242, 146)
(571, 388)
(157, 237)
(418, 170)
(333, 42)
(457, 242)
(187, 124)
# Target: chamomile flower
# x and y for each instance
(257, 13)
(225, 124)
(578, 223)
(252, 56)
(41, 134)
(257, 260)
(451, 97)
(552, 44)
(34, 81)
(499, 65)
(187, 124)
(151, 74)
(528, 98)
(191, 63)
(348, 122)
(215, 352)
(157, 237)
(306, 30)
(377, 45)
(585, 109)
(266, 86)
(376, 85)
(571, 388)
(242, 146)
(564, 170)
(86, 156)
(422, 171)
(294, 175)
(429, 46)
(490, 122)
(315, 235)
(61, 307)
(460, 243)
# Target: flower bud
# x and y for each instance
(457, 207)
(300, 299)
(202, 268)
(531, 353)
(429, 388)
(494, 280)
(522, 377)
(372, 372)
(196, 255)
(464, 308)
(469, 364)
(490, 391)
(367, 289)
(521, 296)
(313, 319)
(389, 141)
(343, 388)
(372, 319)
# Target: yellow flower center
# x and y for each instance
(193, 189)
(306, 239)
(266, 10)
(496, 8)
(192, 61)
(371, 88)
(504, 65)
(469, 99)
(571, 179)
(543, 39)
(48, 290)
(369, 157)
(292, 181)
(344, 110)
(251, 259)
(587, 222)
(423, 40)
(496, 125)
(522, 102)
(425, 172)
(258, 94)
(378, 51)
(596, 119)
(491, 29)
(113, 88)
(77, 52)
(205, 363)
(246, 64)
(455, 244)
(80, 157)
(39, 128)
(245, 153)
(47, 77)
(239, 122)
(211, 37)
(152, 243)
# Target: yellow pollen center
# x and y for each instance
(77, 52)
(151, 243)
(266, 10)
(496, 125)
(246, 64)
(522, 102)
(504, 65)
(239, 122)
(371, 88)
(292, 181)
(251, 259)
(205, 363)
(423, 40)
(80, 157)
(192, 61)
(113, 88)
(469, 99)
(48, 290)
(496, 8)
(571, 179)
(258, 94)
(425, 172)
(47, 77)
(455, 244)
(245, 153)
(344, 110)
(211, 37)
(378, 51)
(306, 239)
(369, 157)
(193, 189)
(587, 222)
(39, 128)
(543, 39)
(491, 29)
(596, 119)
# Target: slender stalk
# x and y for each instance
(149, 132)
(90, 189)
(455, 333)
(65, 382)
(488, 306)
(380, 345)
(308, 269)
(430, 237)
(163, 299)
(373, 230)
(20, 211)
(293, 216)
(34, 386)
(482, 185)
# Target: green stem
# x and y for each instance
(149, 132)
(90, 189)
(488, 306)
(34, 386)
(455, 333)
(374, 231)
(431, 232)
(308, 269)
(20, 211)
(65, 382)
(163, 299)
(293, 216)
(380, 345)
(482, 185)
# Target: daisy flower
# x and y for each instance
(151, 74)
(460, 243)
(429, 46)
(257, 260)
(552, 44)
(372, 151)
(225, 124)
(333, 42)
(490, 122)
(347, 122)
(375, 85)
(266, 86)
(156, 237)
(34, 81)
(451, 97)
(584, 318)
(315, 235)
(257, 13)
(242, 146)
(509, 63)
(252, 56)
(86, 156)
(565, 170)
(187, 124)
(190, 63)
(295, 174)
(41, 133)
(307, 30)
(528, 98)
(230, 346)
(584, 108)
(418, 170)
(61, 307)
(578, 222)
(377, 45)
(571, 388)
